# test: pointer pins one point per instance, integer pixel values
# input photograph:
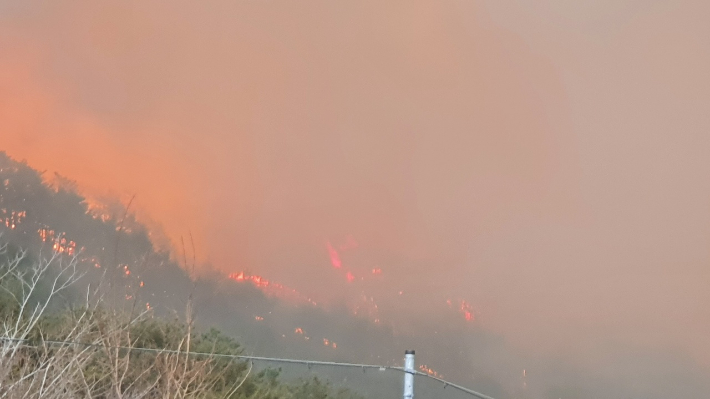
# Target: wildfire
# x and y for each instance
(467, 311)
(62, 245)
(334, 257)
(367, 307)
(254, 279)
(465, 308)
(271, 288)
(424, 368)
(12, 219)
(59, 241)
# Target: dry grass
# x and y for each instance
(105, 360)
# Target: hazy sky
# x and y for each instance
(547, 158)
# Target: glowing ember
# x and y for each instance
(12, 219)
(429, 371)
(377, 271)
(298, 330)
(368, 308)
(64, 246)
(350, 277)
(467, 311)
(465, 308)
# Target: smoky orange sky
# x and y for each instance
(548, 158)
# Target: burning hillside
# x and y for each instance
(271, 316)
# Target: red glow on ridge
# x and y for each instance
(334, 257)
(271, 288)
(467, 311)
(465, 308)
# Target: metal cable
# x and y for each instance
(308, 363)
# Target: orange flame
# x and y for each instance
(271, 288)
(430, 371)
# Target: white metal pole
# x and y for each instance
(409, 374)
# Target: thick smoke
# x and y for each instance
(546, 164)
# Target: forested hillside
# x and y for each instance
(114, 251)
(75, 308)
